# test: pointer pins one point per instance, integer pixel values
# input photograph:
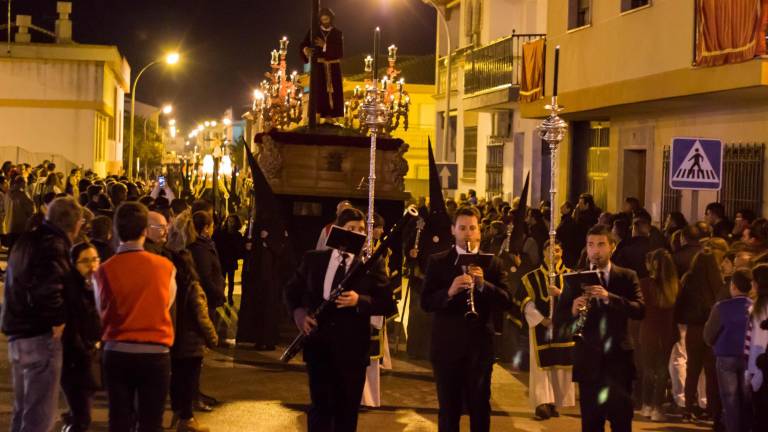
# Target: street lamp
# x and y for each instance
(167, 109)
(170, 59)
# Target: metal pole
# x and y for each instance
(371, 190)
(448, 58)
(9, 28)
(133, 114)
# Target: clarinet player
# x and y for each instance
(603, 365)
(462, 348)
(337, 353)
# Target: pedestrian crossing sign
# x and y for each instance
(696, 163)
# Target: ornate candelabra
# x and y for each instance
(552, 130)
(277, 103)
(375, 115)
(395, 97)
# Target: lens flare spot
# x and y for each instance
(602, 396)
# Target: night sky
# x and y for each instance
(225, 44)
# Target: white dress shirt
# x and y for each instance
(333, 264)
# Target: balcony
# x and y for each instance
(492, 72)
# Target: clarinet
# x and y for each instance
(356, 268)
(471, 313)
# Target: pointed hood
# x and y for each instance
(436, 236)
(519, 229)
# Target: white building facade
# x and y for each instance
(62, 101)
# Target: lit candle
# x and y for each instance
(392, 53)
(376, 39)
(557, 68)
(283, 46)
(368, 64)
(275, 57)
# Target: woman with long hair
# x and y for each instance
(657, 331)
(80, 340)
(193, 327)
(757, 363)
(698, 293)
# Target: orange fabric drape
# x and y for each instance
(727, 31)
(532, 72)
(761, 48)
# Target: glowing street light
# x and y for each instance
(170, 59)
(226, 121)
(167, 109)
(172, 122)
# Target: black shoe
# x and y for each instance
(202, 407)
(553, 410)
(208, 400)
(542, 412)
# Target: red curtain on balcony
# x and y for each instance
(532, 72)
(761, 48)
(728, 31)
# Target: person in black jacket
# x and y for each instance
(193, 327)
(80, 341)
(603, 363)
(337, 352)
(699, 289)
(207, 261)
(230, 245)
(34, 313)
(462, 350)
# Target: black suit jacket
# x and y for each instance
(453, 336)
(605, 347)
(343, 335)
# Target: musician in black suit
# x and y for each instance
(462, 349)
(603, 363)
(337, 353)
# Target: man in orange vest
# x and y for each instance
(134, 292)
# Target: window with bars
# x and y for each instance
(469, 168)
(670, 198)
(742, 178)
(494, 167)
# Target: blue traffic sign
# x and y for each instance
(696, 163)
(449, 175)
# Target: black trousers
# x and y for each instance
(335, 390)
(185, 384)
(136, 377)
(79, 398)
(465, 380)
(609, 396)
(229, 275)
(700, 357)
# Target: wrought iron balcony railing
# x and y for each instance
(495, 65)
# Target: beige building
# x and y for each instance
(630, 84)
(62, 100)
(493, 145)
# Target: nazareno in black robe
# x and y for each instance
(328, 84)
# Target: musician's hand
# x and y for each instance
(546, 322)
(597, 291)
(579, 303)
(554, 291)
(248, 246)
(303, 321)
(461, 283)
(517, 260)
(477, 273)
(307, 51)
(413, 253)
(347, 299)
